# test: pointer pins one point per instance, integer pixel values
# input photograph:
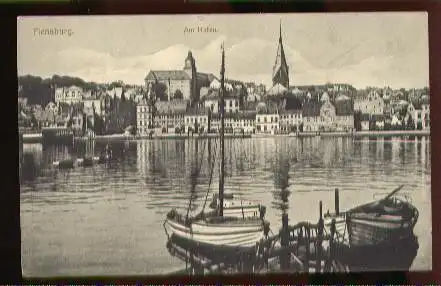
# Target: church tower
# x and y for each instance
(190, 69)
(281, 69)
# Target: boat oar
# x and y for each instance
(393, 192)
(376, 203)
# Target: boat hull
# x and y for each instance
(224, 235)
(385, 256)
(363, 226)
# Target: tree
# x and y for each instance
(116, 84)
(34, 121)
(84, 123)
(410, 123)
(151, 101)
(293, 128)
(69, 122)
(160, 91)
(196, 126)
(373, 123)
(357, 120)
(178, 94)
(41, 91)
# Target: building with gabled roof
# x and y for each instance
(267, 117)
(176, 83)
(70, 95)
(196, 120)
(290, 120)
(170, 114)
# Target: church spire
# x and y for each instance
(280, 69)
(280, 31)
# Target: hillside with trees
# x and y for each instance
(41, 91)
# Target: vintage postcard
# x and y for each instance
(203, 144)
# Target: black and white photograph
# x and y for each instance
(224, 144)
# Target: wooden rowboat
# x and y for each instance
(84, 162)
(64, 164)
(382, 221)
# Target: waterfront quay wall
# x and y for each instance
(123, 137)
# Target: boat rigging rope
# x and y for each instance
(194, 178)
(211, 176)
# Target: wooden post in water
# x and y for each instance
(337, 202)
(284, 242)
(319, 241)
(332, 243)
(349, 227)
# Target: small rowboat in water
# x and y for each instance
(84, 162)
(64, 164)
(383, 221)
(87, 161)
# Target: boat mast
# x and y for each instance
(222, 113)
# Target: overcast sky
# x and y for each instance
(362, 49)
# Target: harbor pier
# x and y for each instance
(304, 247)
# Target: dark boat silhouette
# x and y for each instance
(81, 162)
(379, 233)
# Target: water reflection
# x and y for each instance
(131, 193)
(282, 168)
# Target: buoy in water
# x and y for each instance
(64, 164)
(88, 161)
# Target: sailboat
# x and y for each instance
(216, 233)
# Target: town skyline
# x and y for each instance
(378, 52)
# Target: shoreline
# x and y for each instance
(122, 137)
(392, 133)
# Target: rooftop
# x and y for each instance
(167, 75)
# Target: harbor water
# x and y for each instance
(107, 219)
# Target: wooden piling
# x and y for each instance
(349, 228)
(319, 242)
(337, 202)
(332, 246)
(284, 242)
